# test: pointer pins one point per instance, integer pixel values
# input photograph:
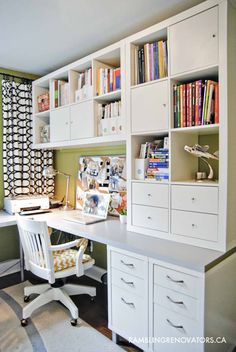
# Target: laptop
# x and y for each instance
(95, 209)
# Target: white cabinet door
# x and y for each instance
(194, 42)
(59, 124)
(82, 120)
(149, 107)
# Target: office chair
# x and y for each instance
(51, 262)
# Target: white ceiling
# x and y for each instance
(39, 36)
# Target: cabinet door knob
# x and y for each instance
(149, 217)
(175, 302)
(173, 325)
(193, 199)
(213, 35)
(164, 105)
(194, 226)
(175, 281)
(149, 195)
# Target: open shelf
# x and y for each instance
(109, 97)
(201, 130)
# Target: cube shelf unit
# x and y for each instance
(200, 46)
(76, 123)
(189, 211)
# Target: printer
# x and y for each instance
(27, 203)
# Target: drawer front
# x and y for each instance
(196, 225)
(128, 264)
(150, 194)
(176, 280)
(129, 313)
(170, 324)
(150, 217)
(128, 282)
(192, 198)
(177, 302)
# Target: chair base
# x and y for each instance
(48, 294)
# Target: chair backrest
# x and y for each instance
(35, 241)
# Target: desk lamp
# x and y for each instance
(49, 172)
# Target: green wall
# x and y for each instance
(9, 245)
(66, 160)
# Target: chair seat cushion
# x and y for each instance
(66, 259)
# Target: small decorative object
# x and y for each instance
(122, 209)
(45, 134)
(202, 153)
(43, 102)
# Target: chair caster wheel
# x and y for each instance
(92, 299)
(73, 322)
(24, 322)
(26, 298)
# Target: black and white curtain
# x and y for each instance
(22, 165)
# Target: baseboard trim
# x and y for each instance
(95, 273)
(9, 267)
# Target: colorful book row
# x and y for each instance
(151, 62)
(196, 103)
(108, 80)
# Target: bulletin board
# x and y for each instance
(102, 174)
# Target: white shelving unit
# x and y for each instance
(197, 41)
(77, 123)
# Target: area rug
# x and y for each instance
(49, 329)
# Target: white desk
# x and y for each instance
(113, 233)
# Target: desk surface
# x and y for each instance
(112, 232)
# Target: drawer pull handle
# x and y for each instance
(149, 217)
(176, 281)
(130, 265)
(173, 325)
(127, 282)
(175, 302)
(130, 304)
(193, 199)
(149, 195)
(194, 226)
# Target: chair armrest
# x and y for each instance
(67, 245)
(79, 257)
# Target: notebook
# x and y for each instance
(95, 209)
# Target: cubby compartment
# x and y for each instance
(41, 98)
(150, 157)
(80, 81)
(195, 99)
(107, 74)
(149, 57)
(185, 165)
(41, 128)
(109, 117)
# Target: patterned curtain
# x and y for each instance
(22, 165)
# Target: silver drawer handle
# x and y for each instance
(127, 264)
(149, 217)
(194, 226)
(175, 302)
(193, 199)
(173, 325)
(127, 282)
(130, 304)
(176, 281)
(149, 195)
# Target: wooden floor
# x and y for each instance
(94, 313)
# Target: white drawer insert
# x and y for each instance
(128, 264)
(176, 280)
(177, 302)
(128, 282)
(195, 198)
(150, 217)
(150, 194)
(196, 225)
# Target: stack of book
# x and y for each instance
(108, 80)
(85, 88)
(85, 78)
(158, 165)
(61, 93)
(150, 62)
(196, 103)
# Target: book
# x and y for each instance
(56, 93)
(216, 107)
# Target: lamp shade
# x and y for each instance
(49, 171)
